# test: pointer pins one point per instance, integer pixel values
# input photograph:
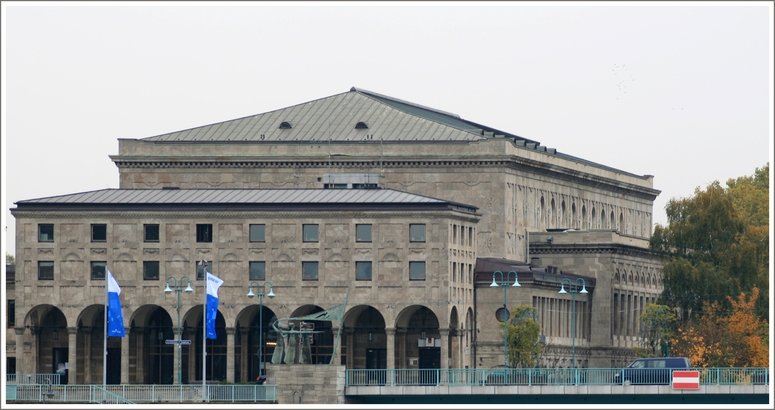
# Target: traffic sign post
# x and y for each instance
(686, 379)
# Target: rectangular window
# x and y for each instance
(45, 232)
(151, 232)
(310, 232)
(98, 270)
(11, 320)
(416, 270)
(204, 233)
(309, 271)
(416, 232)
(363, 270)
(150, 270)
(257, 233)
(45, 270)
(363, 233)
(257, 270)
(99, 232)
(200, 269)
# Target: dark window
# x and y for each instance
(257, 233)
(335, 186)
(416, 232)
(11, 320)
(99, 232)
(10, 367)
(257, 270)
(204, 233)
(200, 270)
(309, 271)
(45, 232)
(363, 233)
(285, 125)
(310, 232)
(45, 270)
(362, 270)
(151, 232)
(366, 186)
(150, 270)
(416, 270)
(98, 270)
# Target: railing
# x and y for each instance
(141, 393)
(538, 376)
(33, 378)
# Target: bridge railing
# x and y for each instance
(33, 378)
(140, 393)
(545, 376)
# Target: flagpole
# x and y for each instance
(204, 332)
(105, 335)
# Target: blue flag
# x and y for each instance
(115, 317)
(211, 311)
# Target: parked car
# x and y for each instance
(653, 370)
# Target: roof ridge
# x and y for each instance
(436, 110)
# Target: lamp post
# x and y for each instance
(262, 287)
(503, 313)
(177, 286)
(573, 289)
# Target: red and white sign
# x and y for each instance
(686, 379)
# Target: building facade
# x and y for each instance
(485, 198)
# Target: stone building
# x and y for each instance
(484, 201)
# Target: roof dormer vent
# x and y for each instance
(285, 125)
(361, 126)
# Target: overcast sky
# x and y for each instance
(679, 91)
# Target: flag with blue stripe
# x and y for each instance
(213, 283)
(115, 317)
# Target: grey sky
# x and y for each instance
(681, 92)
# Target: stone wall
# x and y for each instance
(307, 384)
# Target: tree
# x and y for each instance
(737, 339)
(523, 331)
(9, 259)
(716, 245)
(657, 327)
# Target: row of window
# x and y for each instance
(256, 270)
(257, 232)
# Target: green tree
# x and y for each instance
(9, 259)
(715, 245)
(523, 331)
(657, 327)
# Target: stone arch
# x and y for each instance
(47, 325)
(149, 328)
(593, 219)
(562, 213)
(253, 329)
(621, 222)
(573, 216)
(602, 218)
(321, 346)
(418, 323)
(216, 349)
(365, 338)
(584, 217)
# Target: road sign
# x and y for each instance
(686, 379)
(177, 342)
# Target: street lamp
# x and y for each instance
(503, 313)
(177, 286)
(573, 289)
(262, 287)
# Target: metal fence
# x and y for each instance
(34, 378)
(539, 376)
(141, 393)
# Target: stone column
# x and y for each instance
(20, 362)
(125, 356)
(87, 342)
(350, 350)
(444, 362)
(72, 355)
(390, 345)
(229, 355)
(244, 357)
(139, 358)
